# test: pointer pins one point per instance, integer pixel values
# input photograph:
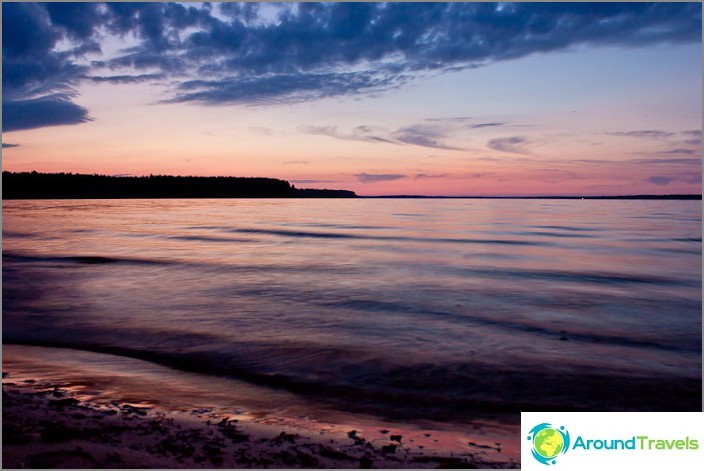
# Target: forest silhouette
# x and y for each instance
(35, 185)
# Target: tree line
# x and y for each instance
(35, 185)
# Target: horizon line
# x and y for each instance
(585, 197)
(687, 196)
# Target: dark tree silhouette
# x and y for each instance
(34, 185)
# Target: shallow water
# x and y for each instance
(407, 309)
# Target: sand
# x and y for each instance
(45, 426)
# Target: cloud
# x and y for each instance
(459, 119)
(424, 135)
(360, 133)
(680, 151)
(52, 110)
(651, 134)
(485, 125)
(386, 43)
(660, 180)
(512, 144)
(285, 53)
(374, 178)
(8, 145)
(676, 161)
(695, 136)
(37, 79)
(296, 162)
(127, 78)
(418, 176)
(282, 88)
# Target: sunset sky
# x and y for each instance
(398, 98)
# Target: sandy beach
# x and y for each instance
(54, 423)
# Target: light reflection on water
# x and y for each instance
(440, 304)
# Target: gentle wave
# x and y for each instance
(338, 235)
(453, 392)
(571, 277)
(518, 327)
(83, 259)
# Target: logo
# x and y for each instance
(548, 442)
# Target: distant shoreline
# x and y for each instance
(619, 197)
(36, 186)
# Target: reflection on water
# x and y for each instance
(406, 308)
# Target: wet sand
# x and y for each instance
(53, 419)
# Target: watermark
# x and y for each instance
(585, 440)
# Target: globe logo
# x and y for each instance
(548, 442)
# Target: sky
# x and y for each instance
(454, 99)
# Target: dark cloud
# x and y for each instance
(37, 80)
(79, 20)
(8, 145)
(278, 89)
(286, 53)
(127, 78)
(660, 180)
(30, 64)
(52, 110)
(652, 134)
(42, 41)
(513, 144)
(374, 178)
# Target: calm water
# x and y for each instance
(439, 309)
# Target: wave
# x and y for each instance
(570, 276)
(339, 235)
(83, 259)
(197, 238)
(452, 392)
(516, 326)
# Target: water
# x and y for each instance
(403, 309)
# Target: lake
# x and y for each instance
(404, 309)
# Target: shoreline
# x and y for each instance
(48, 422)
